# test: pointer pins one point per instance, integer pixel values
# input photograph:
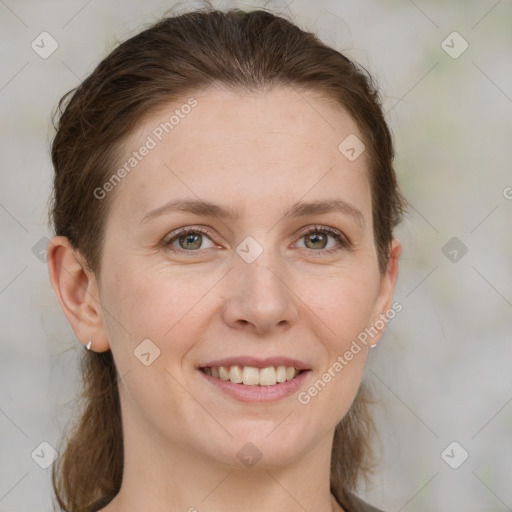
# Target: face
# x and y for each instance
(257, 281)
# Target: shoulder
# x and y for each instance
(358, 505)
(351, 503)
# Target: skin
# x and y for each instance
(258, 153)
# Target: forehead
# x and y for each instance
(251, 148)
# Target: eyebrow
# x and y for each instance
(299, 209)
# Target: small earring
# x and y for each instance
(373, 346)
(89, 345)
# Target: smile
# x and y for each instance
(252, 376)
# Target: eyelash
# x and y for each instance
(342, 241)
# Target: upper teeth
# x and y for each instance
(252, 376)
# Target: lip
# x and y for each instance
(256, 362)
(258, 394)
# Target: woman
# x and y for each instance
(224, 201)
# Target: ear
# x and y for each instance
(77, 291)
(383, 306)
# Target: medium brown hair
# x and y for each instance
(180, 54)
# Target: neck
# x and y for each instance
(164, 476)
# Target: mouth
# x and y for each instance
(253, 376)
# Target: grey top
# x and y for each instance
(351, 503)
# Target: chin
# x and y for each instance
(260, 448)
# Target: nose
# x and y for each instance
(261, 297)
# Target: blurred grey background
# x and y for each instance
(442, 374)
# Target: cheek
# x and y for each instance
(343, 303)
(343, 308)
(149, 304)
(153, 303)
(344, 311)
